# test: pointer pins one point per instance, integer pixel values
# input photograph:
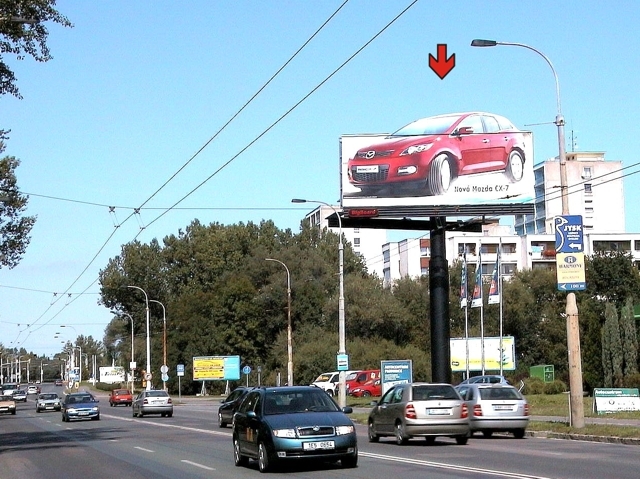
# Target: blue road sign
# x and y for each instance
(246, 370)
(569, 234)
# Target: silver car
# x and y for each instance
(48, 402)
(420, 409)
(152, 402)
(495, 408)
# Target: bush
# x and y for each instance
(109, 387)
(556, 387)
(632, 381)
(533, 386)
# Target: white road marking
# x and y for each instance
(202, 466)
(143, 449)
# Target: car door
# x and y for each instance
(473, 145)
(381, 418)
(246, 423)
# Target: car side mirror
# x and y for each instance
(373, 403)
(465, 130)
(251, 414)
(347, 409)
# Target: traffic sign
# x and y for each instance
(180, 369)
(165, 377)
(569, 237)
(148, 376)
(164, 368)
(246, 370)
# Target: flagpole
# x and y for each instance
(479, 276)
(466, 310)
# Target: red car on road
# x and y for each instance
(120, 396)
(425, 156)
(370, 388)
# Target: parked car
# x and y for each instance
(33, 389)
(48, 402)
(426, 155)
(80, 405)
(330, 382)
(153, 402)
(370, 388)
(494, 408)
(7, 405)
(420, 409)
(230, 405)
(291, 423)
(486, 379)
(120, 396)
(358, 378)
(20, 395)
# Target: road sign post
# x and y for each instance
(570, 268)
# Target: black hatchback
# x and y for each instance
(230, 405)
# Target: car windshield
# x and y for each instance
(435, 125)
(499, 393)
(298, 401)
(48, 396)
(430, 392)
(6, 398)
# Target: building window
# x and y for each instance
(356, 242)
(612, 245)
(636, 245)
(508, 269)
(586, 173)
(587, 188)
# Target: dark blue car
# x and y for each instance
(80, 406)
(285, 424)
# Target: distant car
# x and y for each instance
(9, 388)
(58, 382)
(48, 402)
(33, 389)
(7, 405)
(230, 405)
(330, 382)
(81, 405)
(425, 156)
(120, 396)
(495, 408)
(486, 379)
(420, 409)
(292, 423)
(153, 402)
(370, 388)
(20, 395)
(358, 378)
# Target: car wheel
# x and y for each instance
(401, 436)
(373, 437)
(349, 462)
(37, 409)
(366, 394)
(162, 414)
(13, 412)
(263, 458)
(518, 433)
(487, 434)
(462, 440)
(134, 413)
(96, 418)
(111, 404)
(431, 440)
(440, 175)
(169, 414)
(221, 423)
(238, 458)
(515, 166)
(140, 414)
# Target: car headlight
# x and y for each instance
(288, 433)
(342, 430)
(411, 150)
(94, 408)
(71, 409)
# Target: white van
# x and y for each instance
(9, 388)
(330, 382)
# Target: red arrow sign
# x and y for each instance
(442, 65)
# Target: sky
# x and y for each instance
(138, 91)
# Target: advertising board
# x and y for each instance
(112, 375)
(212, 368)
(395, 372)
(492, 354)
(460, 171)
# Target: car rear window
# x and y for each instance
(429, 392)
(499, 393)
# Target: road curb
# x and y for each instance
(631, 441)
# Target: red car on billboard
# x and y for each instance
(427, 155)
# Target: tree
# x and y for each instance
(22, 31)
(612, 354)
(14, 228)
(629, 339)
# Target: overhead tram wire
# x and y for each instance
(284, 115)
(201, 149)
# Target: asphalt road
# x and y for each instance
(190, 445)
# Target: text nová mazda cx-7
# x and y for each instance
(424, 157)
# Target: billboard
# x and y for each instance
(492, 354)
(448, 165)
(211, 368)
(394, 372)
(112, 375)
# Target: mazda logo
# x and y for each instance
(370, 154)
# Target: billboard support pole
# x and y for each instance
(439, 304)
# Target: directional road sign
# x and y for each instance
(570, 267)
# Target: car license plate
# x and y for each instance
(83, 413)
(367, 169)
(439, 412)
(312, 446)
(48, 407)
(506, 407)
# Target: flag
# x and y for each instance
(476, 298)
(494, 291)
(464, 293)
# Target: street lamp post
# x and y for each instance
(72, 363)
(164, 341)
(341, 320)
(146, 300)
(573, 325)
(131, 363)
(42, 370)
(289, 333)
